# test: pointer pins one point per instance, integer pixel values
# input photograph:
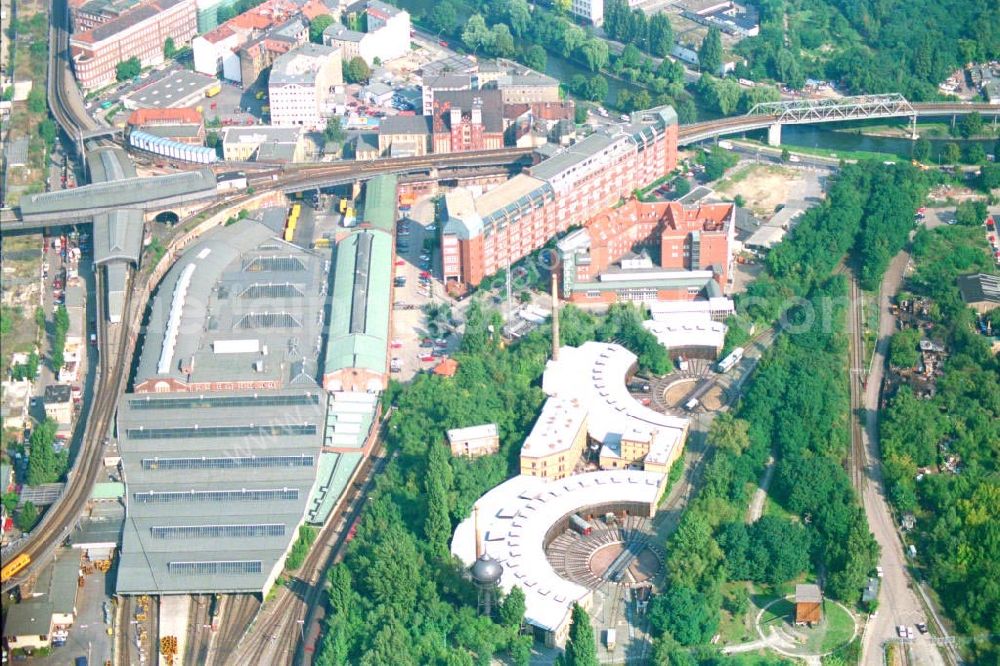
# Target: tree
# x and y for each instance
(572, 39)
(317, 26)
(28, 517)
(518, 17)
(536, 58)
(971, 213)
(512, 609)
(785, 155)
(476, 35)
(989, 177)
(443, 17)
(357, 70)
(710, 52)
(729, 433)
(951, 154)
(974, 154)
(921, 150)
(580, 114)
(438, 486)
(595, 53)
(36, 100)
(334, 132)
(971, 125)
(128, 69)
(688, 615)
(661, 35)
(502, 41)
(225, 13)
(630, 57)
(47, 130)
(581, 648)
(682, 186)
(42, 464)
(169, 48)
(903, 348)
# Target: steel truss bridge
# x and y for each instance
(862, 107)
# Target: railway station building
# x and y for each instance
(221, 438)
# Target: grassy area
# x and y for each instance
(834, 631)
(30, 64)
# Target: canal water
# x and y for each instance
(830, 138)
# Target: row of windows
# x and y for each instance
(242, 462)
(272, 290)
(216, 567)
(224, 401)
(270, 264)
(216, 531)
(243, 495)
(220, 431)
(257, 320)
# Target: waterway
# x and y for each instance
(829, 137)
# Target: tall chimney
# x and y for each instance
(555, 315)
(479, 541)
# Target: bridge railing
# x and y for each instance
(835, 108)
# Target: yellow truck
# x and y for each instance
(213, 90)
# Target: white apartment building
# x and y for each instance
(589, 10)
(301, 85)
(387, 36)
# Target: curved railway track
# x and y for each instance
(278, 633)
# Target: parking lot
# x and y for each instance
(418, 283)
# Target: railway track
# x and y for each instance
(278, 634)
(856, 379)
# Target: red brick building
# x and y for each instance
(612, 258)
(140, 32)
(467, 120)
(482, 234)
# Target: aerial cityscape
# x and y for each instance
(412, 332)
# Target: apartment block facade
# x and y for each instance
(484, 234)
(140, 32)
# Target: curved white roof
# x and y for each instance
(515, 516)
(688, 331)
(593, 375)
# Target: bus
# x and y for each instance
(728, 363)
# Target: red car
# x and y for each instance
(400, 262)
(424, 274)
(428, 358)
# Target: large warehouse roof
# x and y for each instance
(515, 517)
(217, 486)
(594, 375)
(359, 320)
(249, 309)
(688, 330)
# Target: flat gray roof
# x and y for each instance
(299, 66)
(216, 486)
(108, 164)
(175, 90)
(29, 618)
(124, 193)
(245, 286)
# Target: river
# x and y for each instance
(830, 138)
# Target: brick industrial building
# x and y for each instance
(600, 262)
(483, 234)
(140, 32)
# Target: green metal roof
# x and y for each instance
(109, 490)
(380, 202)
(359, 325)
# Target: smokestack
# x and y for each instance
(555, 315)
(479, 541)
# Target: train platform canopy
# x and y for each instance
(593, 376)
(516, 517)
(134, 192)
(100, 533)
(108, 164)
(240, 308)
(118, 236)
(718, 307)
(335, 470)
(359, 320)
(380, 202)
(217, 486)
